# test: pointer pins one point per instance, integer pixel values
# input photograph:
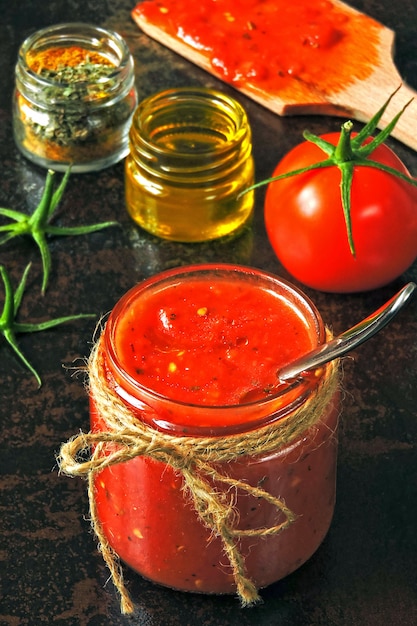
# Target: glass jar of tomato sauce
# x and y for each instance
(74, 97)
(190, 158)
(193, 353)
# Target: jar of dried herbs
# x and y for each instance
(74, 98)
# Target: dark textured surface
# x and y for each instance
(365, 572)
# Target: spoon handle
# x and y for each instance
(349, 339)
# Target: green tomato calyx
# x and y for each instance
(38, 224)
(9, 327)
(349, 153)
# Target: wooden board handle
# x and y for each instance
(366, 97)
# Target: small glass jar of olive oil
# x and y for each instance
(190, 159)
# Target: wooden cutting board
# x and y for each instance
(358, 98)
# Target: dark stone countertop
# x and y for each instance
(51, 573)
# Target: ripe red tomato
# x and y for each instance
(306, 227)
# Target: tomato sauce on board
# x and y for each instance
(203, 341)
(275, 46)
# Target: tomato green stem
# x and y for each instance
(343, 151)
(8, 308)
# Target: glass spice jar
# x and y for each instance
(190, 157)
(246, 323)
(74, 97)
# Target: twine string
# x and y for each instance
(195, 458)
(109, 555)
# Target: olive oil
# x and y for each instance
(190, 159)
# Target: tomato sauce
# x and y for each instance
(276, 46)
(199, 343)
(209, 343)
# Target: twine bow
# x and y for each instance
(195, 458)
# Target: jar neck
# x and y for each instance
(99, 86)
(187, 134)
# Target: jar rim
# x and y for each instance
(80, 34)
(151, 107)
(272, 407)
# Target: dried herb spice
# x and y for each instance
(58, 57)
(72, 88)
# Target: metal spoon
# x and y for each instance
(350, 339)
